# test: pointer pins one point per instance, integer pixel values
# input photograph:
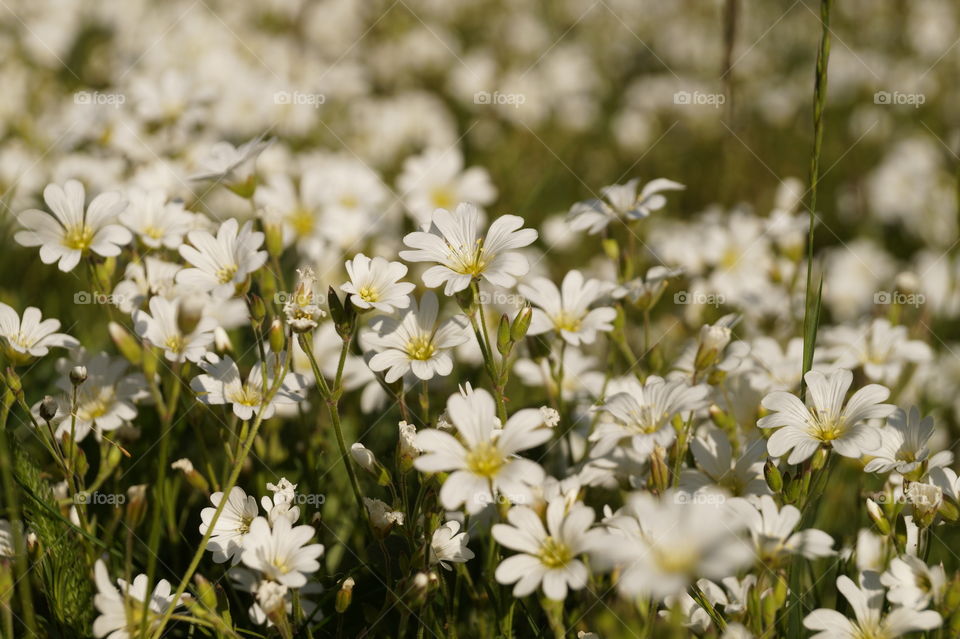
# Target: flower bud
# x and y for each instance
(48, 408)
(381, 517)
(503, 335)
(125, 343)
(136, 505)
(345, 595)
(772, 474)
(258, 310)
(194, 478)
(467, 300)
(406, 450)
(78, 375)
(277, 339)
(521, 323)
(206, 592)
(659, 472)
(364, 458)
(877, 516)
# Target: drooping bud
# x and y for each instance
(48, 408)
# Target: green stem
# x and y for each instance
(12, 499)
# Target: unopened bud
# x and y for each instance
(78, 375)
(206, 592)
(125, 343)
(345, 595)
(877, 516)
(503, 335)
(48, 408)
(659, 473)
(277, 338)
(258, 310)
(136, 505)
(772, 474)
(521, 323)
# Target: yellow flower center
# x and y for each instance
(485, 460)
(302, 221)
(369, 294)
(349, 201)
(248, 396)
(175, 343)
(280, 563)
(676, 560)
(471, 260)
(78, 238)
(554, 554)
(420, 347)
(91, 408)
(225, 273)
(443, 197)
(827, 428)
(153, 232)
(567, 322)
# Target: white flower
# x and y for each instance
(716, 466)
(223, 263)
(772, 531)
(867, 604)
(925, 500)
(226, 541)
(644, 292)
(436, 180)
(375, 283)
(548, 555)
(30, 337)
(70, 233)
(414, 342)
(141, 280)
(158, 223)
(162, 328)
(222, 384)
(567, 310)
(121, 610)
(271, 597)
(364, 457)
(903, 445)
(406, 446)
(620, 201)
(105, 401)
(450, 545)
(882, 349)
(229, 163)
(455, 242)
(279, 552)
(912, 583)
(803, 429)
(485, 463)
(665, 544)
(302, 311)
(282, 502)
(642, 412)
(382, 516)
